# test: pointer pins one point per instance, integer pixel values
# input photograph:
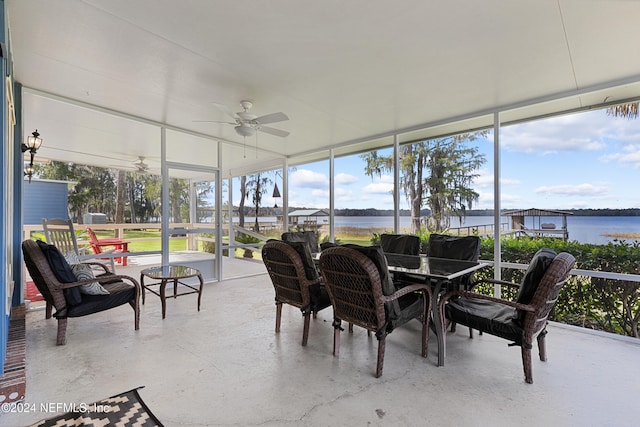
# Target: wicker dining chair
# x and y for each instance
(295, 280)
(407, 244)
(308, 237)
(518, 321)
(122, 289)
(363, 294)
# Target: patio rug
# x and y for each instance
(125, 409)
(33, 294)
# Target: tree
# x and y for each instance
(93, 190)
(256, 187)
(437, 172)
(449, 192)
(627, 111)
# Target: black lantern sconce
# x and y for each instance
(33, 144)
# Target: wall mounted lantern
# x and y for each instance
(33, 144)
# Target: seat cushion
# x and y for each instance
(119, 293)
(410, 307)
(465, 248)
(486, 316)
(62, 271)
(375, 254)
(319, 297)
(532, 278)
(308, 237)
(408, 244)
(302, 248)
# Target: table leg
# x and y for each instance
(175, 288)
(437, 322)
(163, 293)
(200, 290)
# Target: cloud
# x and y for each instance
(485, 180)
(378, 188)
(630, 155)
(345, 179)
(579, 190)
(306, 178)
(574, 132)
(381, 185)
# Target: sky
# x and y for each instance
(583, 160)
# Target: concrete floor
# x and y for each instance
(225, 366)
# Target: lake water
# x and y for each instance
(584, 229)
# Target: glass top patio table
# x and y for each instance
(435, 268)
(441, 270)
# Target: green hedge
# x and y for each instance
(590, 302)
(602, 304)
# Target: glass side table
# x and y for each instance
(165, 274)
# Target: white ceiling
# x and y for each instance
(343, 71)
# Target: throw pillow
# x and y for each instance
(71, 258)
(84, 272)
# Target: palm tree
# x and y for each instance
(627, 111)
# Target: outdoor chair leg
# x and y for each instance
(526, 364)
(336, 337)
(278, 315)
(62, 332)
(136, 314)
(305, 331)
(542, 346)
(48, 311)
(380, 361)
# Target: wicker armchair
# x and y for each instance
(295, 280)
(518, 321)
(363, 294)
(122, 290)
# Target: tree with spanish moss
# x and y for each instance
(437, 173)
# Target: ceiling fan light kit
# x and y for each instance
(245, 130)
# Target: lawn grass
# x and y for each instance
(144, 245)
(354, 236)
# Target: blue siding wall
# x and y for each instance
(44, 199)
(5, 215)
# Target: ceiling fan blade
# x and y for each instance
(271, 118)
(273, 131)
(214, 121)
(226, 110)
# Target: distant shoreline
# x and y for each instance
(469, 213)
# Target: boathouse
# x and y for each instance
(539, 222)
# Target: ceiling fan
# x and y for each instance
(246, 124)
